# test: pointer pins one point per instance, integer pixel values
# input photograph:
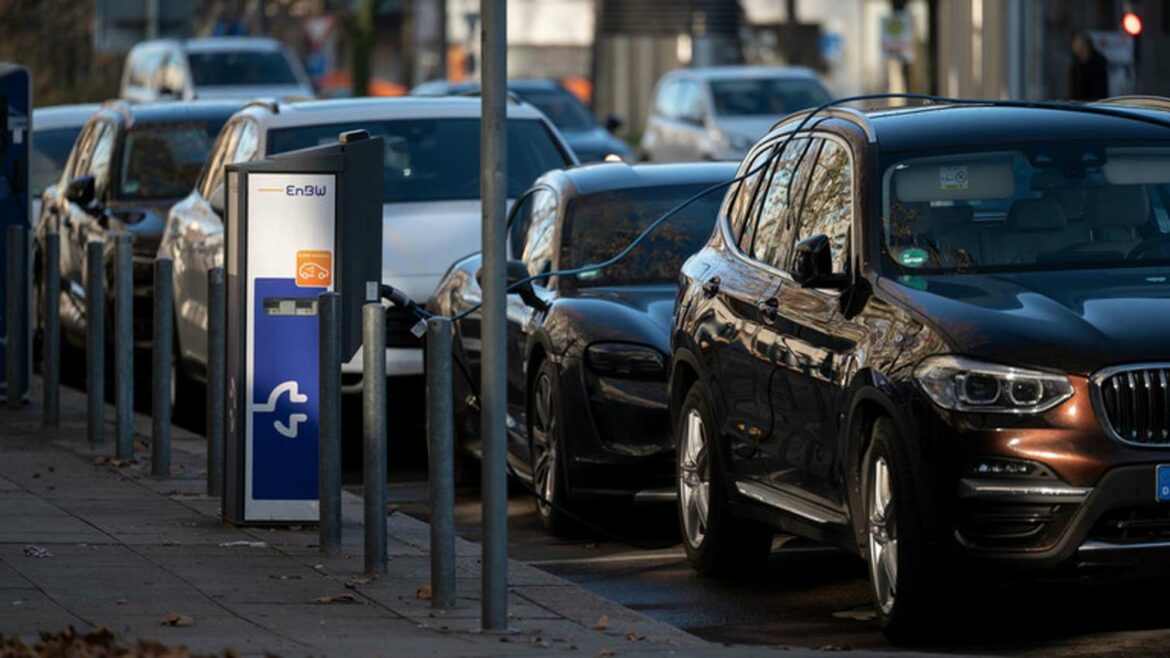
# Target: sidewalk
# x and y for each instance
(87, 542)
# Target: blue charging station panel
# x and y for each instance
(15, 203)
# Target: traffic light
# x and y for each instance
(1131, 23)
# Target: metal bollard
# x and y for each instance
(329, 445)
(16, 341)
(441, 443)
(162, 352)
(95, 343)
(374, 434)
(51, 338)
(124, 345)
(216, 375)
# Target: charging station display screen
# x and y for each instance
(290, 251)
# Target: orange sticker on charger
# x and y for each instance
(314, 268)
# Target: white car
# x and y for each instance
(719, 112)
(211, 68)
(431, 212)
(55, 129)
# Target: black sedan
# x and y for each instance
(587, 355)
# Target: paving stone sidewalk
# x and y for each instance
(88, 542)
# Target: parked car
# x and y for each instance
(55, 129)
(216, 67)
(717, 113)
(934, 337)
(431, 191)
(127, 167)
(587, 355)
(590, 141)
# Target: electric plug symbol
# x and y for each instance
(294, 420)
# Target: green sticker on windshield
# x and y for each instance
(913, 257)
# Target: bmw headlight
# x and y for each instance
(625, 361)
(960, 384)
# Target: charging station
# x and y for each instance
(298, 224)
(15, 202)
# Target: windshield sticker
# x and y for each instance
(952, 178)
(913, 257)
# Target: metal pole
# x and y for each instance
(494, 381)
(441, 441)
(124, 345)
(162, 350)
(51, 366)
(329, 445)
(95, 343)
(216, 374)
(374, 433)
(16, 357)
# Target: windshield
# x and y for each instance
(560, 106)
(436, 159)
(1044, 206)
(163, 161)
(244, 67)
(601, 225)
(50, 151)
(771, 96)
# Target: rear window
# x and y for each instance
(50, 151)
(601, 225)
(771, 96)
(163, 161)
(248, 67)
(560, 106)
(436, 159)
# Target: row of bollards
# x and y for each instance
(120, 273)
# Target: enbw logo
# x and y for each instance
(304, 190)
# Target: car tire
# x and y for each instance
(717, 544)
(908, 583)
(547, 457)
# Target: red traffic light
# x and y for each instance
(1131, 23)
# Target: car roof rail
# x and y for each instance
(852, 115)
(122, 107)
(1138, 100)
(477, 93)
(270, 104)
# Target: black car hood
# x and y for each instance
(646, 310)
(1070, 321)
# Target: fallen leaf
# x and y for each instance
(634, 636)
(98, 461)
(602, 623)
(424, 593)
(139, 446)
(538, 641)
(243, 544)
(605, 652)
(176, 619)
(37, 551)
(295, 528)
(352, 583)
(864, 614)
(338, 598)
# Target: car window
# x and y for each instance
(827, 208)
(50, 151)
(437, 159)
(540, 241)
(666, 104)
(769, 238)
(212, 173)
(79, 157)
(767, 96)
(597, 226)
(162, 161)
(690, 101)
(99, 162)
(246, 67)
(745, 191)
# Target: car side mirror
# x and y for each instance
(81, 190)
(516, 272)
(812, 265)
(216, 200)
(613, 122)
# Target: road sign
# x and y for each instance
(898, 36)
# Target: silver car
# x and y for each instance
(718, 113)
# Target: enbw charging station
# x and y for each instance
(298, 224)
(15, 203)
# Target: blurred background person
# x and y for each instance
(1089, 73)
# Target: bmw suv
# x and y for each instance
(936, 337)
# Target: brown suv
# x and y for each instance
(938, 337)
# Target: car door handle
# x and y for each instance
(769, 308)
(711, 287)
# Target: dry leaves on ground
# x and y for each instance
(338, 598)
(602, 623)
(353, 583)
(604, 653)
(176, 619)
(634, 636)
(424, 593)
(112, 462)
(98, 643)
